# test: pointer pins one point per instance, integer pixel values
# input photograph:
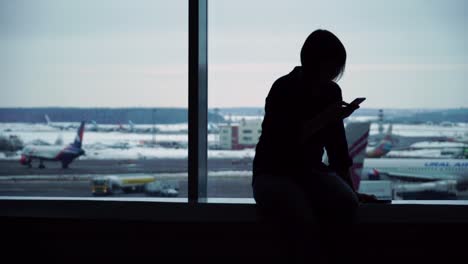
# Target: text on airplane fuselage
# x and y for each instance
(445, 164)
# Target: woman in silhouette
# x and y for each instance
(290, 181)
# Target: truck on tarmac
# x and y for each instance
(110, 184)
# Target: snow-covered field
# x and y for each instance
(117, 145)
(458, 129)
(126, 145)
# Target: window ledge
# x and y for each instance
(215, 210)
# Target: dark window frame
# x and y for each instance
(198, 101)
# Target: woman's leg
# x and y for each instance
(280, 199)
(332, 197)
(285, 204)
(336, 204)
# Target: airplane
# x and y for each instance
(54, 153)
(95, 127)
(384, 146)
(132, 128)
(420, 175)
(213, 128)
(357, 134)
(400, 142)
(57, 126)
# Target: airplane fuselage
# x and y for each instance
(50, 153)
(422, 169)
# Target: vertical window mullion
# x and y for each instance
(198, 101)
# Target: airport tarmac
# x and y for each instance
(219, 187)
(233, 182)
(229, 178)
(13, 167)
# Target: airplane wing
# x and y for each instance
(420, 176)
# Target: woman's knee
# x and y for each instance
(281, 199)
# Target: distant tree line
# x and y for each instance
(101, 115)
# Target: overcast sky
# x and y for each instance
(401, 53)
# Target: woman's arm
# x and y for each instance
(334, 113)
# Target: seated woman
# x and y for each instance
(290, 181)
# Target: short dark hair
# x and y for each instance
(323, 52)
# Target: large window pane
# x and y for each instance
(120, 66)
(408, 58)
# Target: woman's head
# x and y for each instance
(323, 54)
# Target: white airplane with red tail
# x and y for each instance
(65, 155)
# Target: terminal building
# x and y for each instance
(242, 135)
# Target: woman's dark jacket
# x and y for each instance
(293, 99)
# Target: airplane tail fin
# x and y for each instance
(94, 124)
(48, 122)
(388, 136)
(79, 136)
(384, 146)
(357, 134)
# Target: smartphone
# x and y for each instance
(358, 101)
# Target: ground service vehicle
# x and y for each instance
(109, 184)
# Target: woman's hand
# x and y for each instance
(333, 113)
(345, 109)
(366, 198)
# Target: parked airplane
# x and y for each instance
(440, 171)
(54, 153)
(212, 128)
(400, 142)
(95, 127)
(384, 146)
(132, 128)
(357, 134)
(58, 126)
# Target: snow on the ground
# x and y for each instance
(238, 118)
(5, 127)
(124, 145)
(362, 119)
(104, 138)
(172, 127)
(422, 130)
(429, 145)
(420, 153)
(152, 153)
